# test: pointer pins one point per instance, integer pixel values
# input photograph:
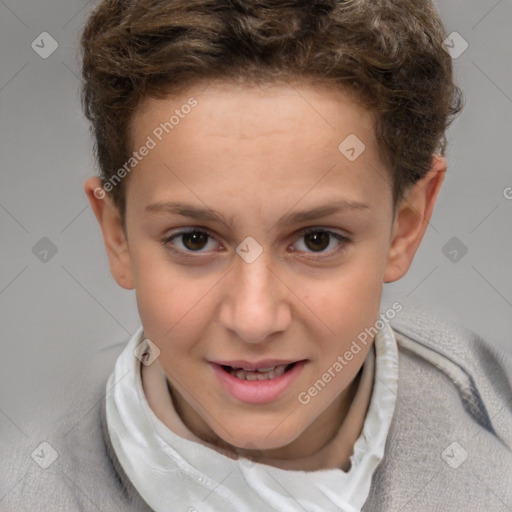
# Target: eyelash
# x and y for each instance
(342, 239)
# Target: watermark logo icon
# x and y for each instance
(146, 352)
(45, 455)
(99, 193)
(455, 45)
(44, 45)
(249, 250)
(454, 250)
(44, 250)
(352, 147)
(454, 455)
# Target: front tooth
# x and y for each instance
(266, 374)
(240, 374)
(265, 369)
(279, 370)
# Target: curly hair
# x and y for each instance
(390, 53)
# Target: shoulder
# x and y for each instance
(66, 466)
(479, 372)
(446, 335)
(451, 435)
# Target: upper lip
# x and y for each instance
(251, 366)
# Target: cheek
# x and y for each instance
(357, 283)
(348, 302)
(175, 308)
(166, 298)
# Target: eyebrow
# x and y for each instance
(207, 214)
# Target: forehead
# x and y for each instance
(229, 110)
(258, 140)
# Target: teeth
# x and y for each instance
(260, 373)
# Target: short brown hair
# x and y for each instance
(389, 52)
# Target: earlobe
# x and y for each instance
(114, 236)
(411, 220)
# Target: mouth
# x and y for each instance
(266, 373)
(260, 382)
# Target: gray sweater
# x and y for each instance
(449, 447)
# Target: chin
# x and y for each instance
(259, 437)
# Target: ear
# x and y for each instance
(114, 236)
(411, 220)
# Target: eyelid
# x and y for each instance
(315, 229)
(189, 229)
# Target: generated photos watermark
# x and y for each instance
(305, 397)
(157, 135)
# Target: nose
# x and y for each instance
(255, 305)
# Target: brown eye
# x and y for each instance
(317, 241)
(190, 240)
(195, 240)
(320, 241)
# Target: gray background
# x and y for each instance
(55, 314)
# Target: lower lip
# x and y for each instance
(257, 391)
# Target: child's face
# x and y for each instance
(264, 164)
